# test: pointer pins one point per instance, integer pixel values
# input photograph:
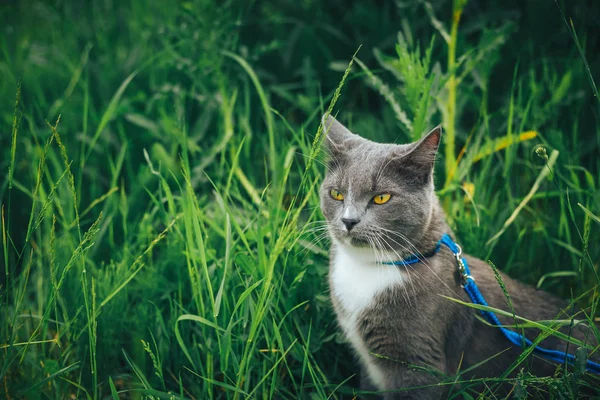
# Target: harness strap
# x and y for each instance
(515, 338)
(413, 259)
(470, 287)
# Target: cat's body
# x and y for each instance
(395, 318)
(429, 330)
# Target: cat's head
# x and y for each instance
(377, 195)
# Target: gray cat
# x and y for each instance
(380, 206)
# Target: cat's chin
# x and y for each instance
(355, 242)
(360, 243)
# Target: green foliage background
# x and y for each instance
(160, 223)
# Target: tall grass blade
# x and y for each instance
(536, 185)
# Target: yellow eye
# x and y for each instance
(336, 195)
(382, 198)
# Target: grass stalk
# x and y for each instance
(451, 85)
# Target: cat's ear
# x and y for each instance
(338, 138)
(417, 163)
(424, 151)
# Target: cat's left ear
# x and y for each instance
(417, 163)
(424, 151)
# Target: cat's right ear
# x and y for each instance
(338, 138)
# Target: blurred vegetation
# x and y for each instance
(160, 223)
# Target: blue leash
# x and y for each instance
(468, 283)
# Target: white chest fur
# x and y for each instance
(356, 279)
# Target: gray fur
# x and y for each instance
(427, 331)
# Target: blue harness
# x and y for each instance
(468, 283)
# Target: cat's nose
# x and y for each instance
(350, 222)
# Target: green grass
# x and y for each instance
(160, 222)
